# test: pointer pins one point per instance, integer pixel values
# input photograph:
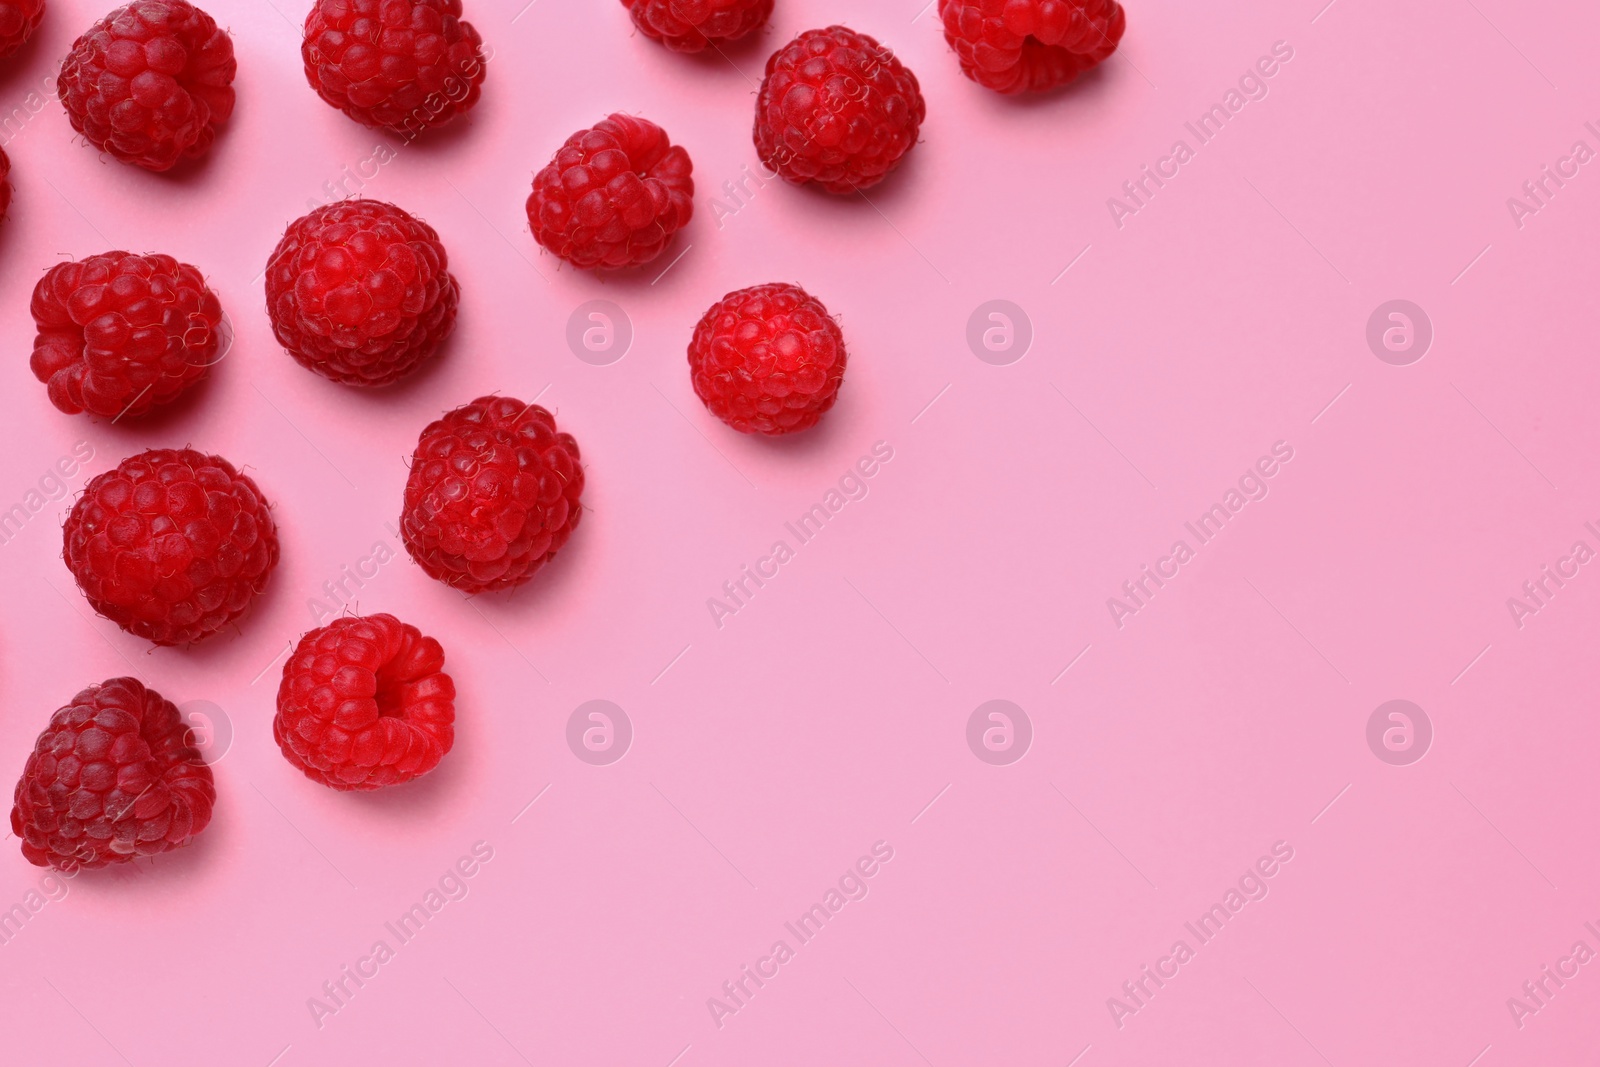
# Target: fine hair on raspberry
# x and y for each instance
(494, 492)
(114, 776)
(172, 545)
(150, 83)
(837, 109)
(407, 66)
(360, 292)
(120, 335)
(695, 25)
(767, 360)
(1016, 46)
(613, 196)
(365, 703)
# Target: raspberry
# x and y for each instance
(150, 82)
(171, 545)
(836, 108)
(692, 25)
(613, 196)
(121, 334)
(493, 494)
(1012, 46)
(402, 65)
(18, 20)
(359, 292)
(114, 776)
(365, 703)
(768, 359)
(5, 183)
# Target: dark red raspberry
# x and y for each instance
(5, 183)
(365, 703)
(1013, 46)
(401, 65)
(359, 291)
(768, 359)
(692, 25)
(150, 82)
(613, 196)
(493, 494)
(114, 776)
(836, 108)
(18, 20)
(121, 334)
(171, 545)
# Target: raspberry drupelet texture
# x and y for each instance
(836, 108)
(122, 334)
(172, 546)
(365, 703)
(767, 360)
(694, 25)
(613, 196)
(360, 292)
(403, 65)
(114, 776)
(150, 82)
(18, 20)
(1014, 46)
(494, 493)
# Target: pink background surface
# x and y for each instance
(1226, 716)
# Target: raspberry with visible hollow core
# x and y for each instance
(836, 108)
(360, 292)
(365, 703)
(114, 776)
(122, 334)
(172, 545)
(1014, 46)
(403, 65)
(613, 196)
(494, 492)
(150, 82)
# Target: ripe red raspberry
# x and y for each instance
(836, 108)
(18, 20)
(692, 25)
(613, 196)
(359, 292)
(171, 545)
(114, 776)
(365, 703)
(150, 82)
(493, 494)
(5, 183)
(121, 334)
(1012, 46)
(768, 359)
(401, 65)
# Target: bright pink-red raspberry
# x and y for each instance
(150, 82)
(768, 359)
(18, 20)
(494, 492)
(171, 545)
(365, 703)
(693, 25)
(402, 65)
(836, 108)
(1014, 46)
(120, 334)
(114, 776)
(360, 292)
(613, 196)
